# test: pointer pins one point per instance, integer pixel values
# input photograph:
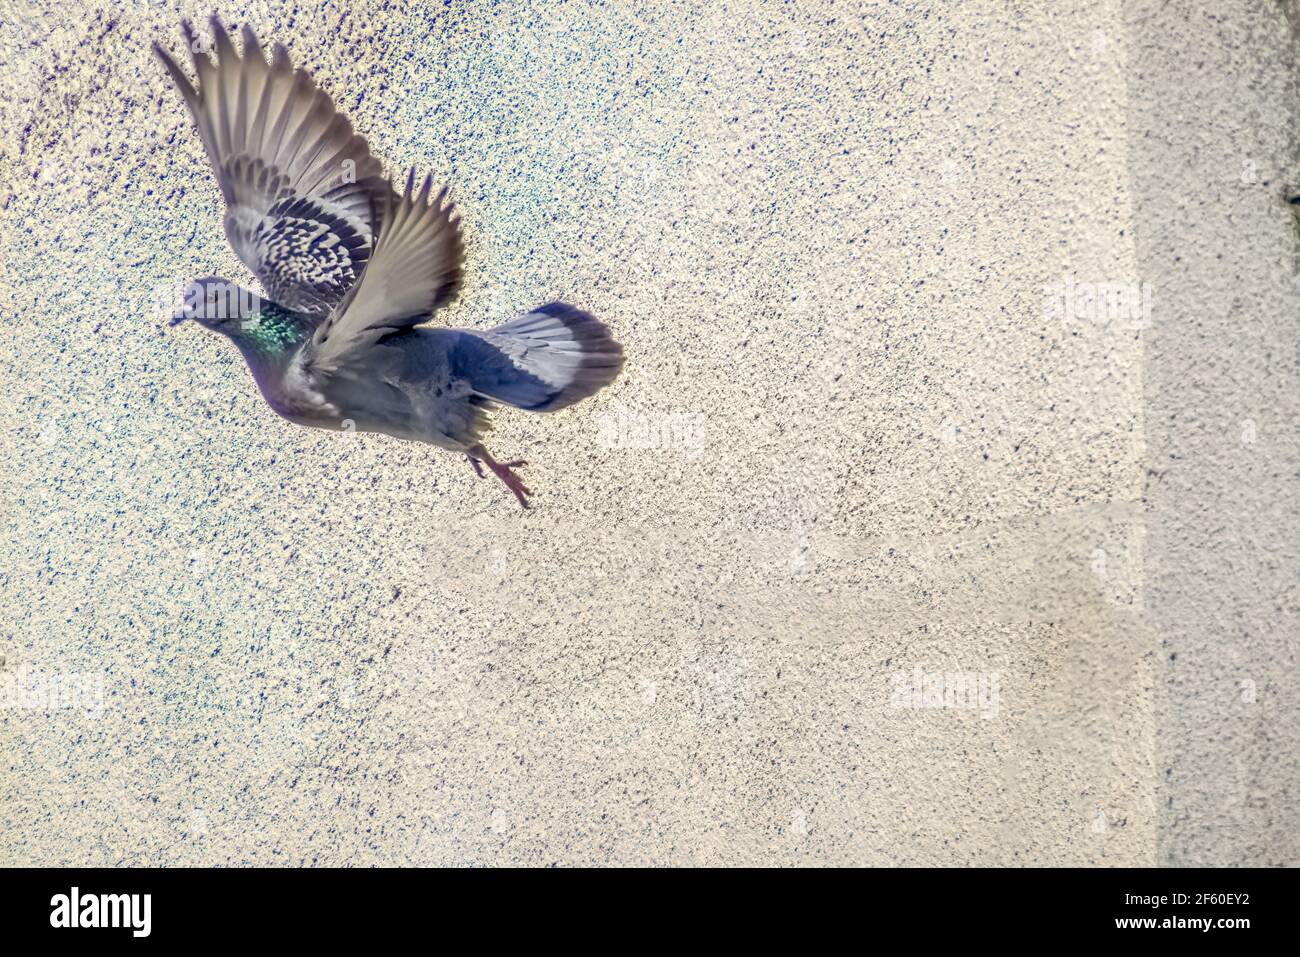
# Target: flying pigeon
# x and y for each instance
(352, 267)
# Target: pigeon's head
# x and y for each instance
(218, 304)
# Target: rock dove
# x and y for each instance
(351, 268)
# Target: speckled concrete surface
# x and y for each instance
(855, 452)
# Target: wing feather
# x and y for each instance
(414, 270)
(272, 138)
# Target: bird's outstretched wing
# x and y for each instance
(415, 268)
(304, 197)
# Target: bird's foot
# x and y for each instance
(478, 469)
(502, 470)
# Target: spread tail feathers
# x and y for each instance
(550, 358)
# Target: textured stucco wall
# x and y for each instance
(1217, 151)
(852, 442)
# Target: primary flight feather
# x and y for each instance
(352, 267)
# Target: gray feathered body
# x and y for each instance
(437, 385)
(412, 393)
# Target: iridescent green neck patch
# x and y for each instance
(273, 330)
